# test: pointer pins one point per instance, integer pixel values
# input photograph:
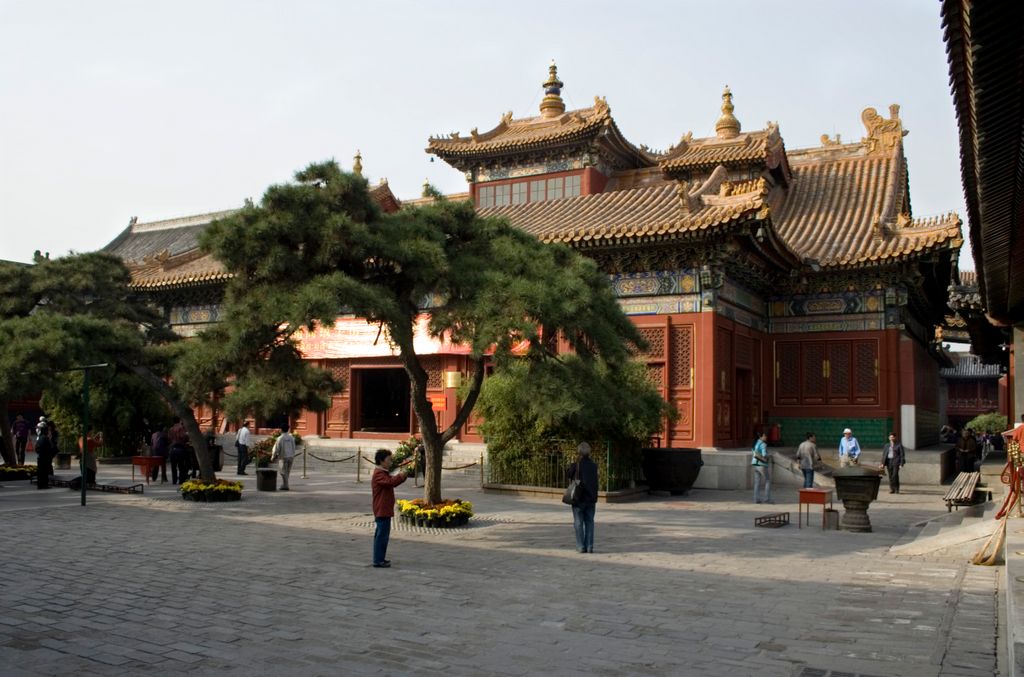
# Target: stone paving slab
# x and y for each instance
(280, 584)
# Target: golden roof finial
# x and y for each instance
(551, 106)
(727, 127)
(357, 166)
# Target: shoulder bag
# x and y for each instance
(574, 492)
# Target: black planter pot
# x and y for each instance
(671, 469)
(266, 479)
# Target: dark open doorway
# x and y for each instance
(383, 403)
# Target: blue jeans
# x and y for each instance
(381, 536)
(583, 522)
(762, 483)
(808, 478)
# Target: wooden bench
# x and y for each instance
(773, 520)
(962, 491)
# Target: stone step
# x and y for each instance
(963, 526)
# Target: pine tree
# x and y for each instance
(319, 247)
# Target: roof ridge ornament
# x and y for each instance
(883, 135)
(727, 127)
(357, 165)
(551, 106)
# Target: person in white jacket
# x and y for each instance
(284, 449)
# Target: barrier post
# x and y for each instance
(481, 471)
(359, 464)
(305, 448)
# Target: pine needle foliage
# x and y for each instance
(319, 247)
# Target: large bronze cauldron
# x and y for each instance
(856, 487)
(671, 469)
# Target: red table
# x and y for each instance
(811, 497)
(146, 464)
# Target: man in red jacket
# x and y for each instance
(383, 485)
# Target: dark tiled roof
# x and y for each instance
(174, 236)
(971, 366)
(986, 73)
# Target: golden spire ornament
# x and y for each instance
(727, 127)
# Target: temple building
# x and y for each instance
(779, 289)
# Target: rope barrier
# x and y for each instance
(461, 467)
(332, 460)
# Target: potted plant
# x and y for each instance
(259, 453)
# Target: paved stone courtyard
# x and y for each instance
(281, 584)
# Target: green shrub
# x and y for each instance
(991, 421)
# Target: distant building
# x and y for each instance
(778, 289)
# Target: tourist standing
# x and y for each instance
(284, 448)
(583, 511)
(966, 451)
(808, 457)
(160, 443)
(383, 486)
(893, 458)
(179, 451)
(45, 451)
(20, 430)
(242, 447)
(761, 462)
(849, 449)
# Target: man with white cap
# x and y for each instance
(849, 449)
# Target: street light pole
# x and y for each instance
(85, 419)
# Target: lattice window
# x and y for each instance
(656, 374)
(866, 374)
(432, 365)
(787, 373)
(839, 374)
(682, 355)
(655, 337)
(339, 369)
(813, 372)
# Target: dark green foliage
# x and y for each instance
(63, 314)
(121, 407)
(535, 411)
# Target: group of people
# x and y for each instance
(172, 445)
(807, 456)
(284, 451)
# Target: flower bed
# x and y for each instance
(16, 472)
(443, 515)
(219, 491)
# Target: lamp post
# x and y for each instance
(85, 419)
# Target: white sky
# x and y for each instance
(111, 109)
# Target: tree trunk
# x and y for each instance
(7, 450)
(184, 412)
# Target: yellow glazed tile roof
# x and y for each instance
(847, 207)
(634, 214)
(525, 133)
(713, 151)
